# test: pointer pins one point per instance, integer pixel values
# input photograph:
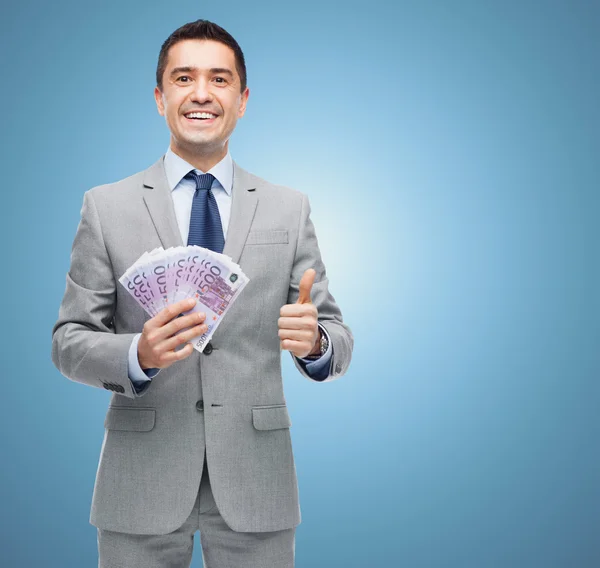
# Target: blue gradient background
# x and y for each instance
(451, 155)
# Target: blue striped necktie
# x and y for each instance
(205, 222)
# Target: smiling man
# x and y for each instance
(198, 441)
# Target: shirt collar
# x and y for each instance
(176, 168)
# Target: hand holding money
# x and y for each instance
(166, 331)
(298, 325)
(160, 279)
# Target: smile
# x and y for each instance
(201, 117)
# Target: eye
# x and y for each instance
(221, 80)
(183, 77)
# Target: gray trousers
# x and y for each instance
(221, 546)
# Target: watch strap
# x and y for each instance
(324, 345)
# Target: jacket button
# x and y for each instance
(200, 405)
(120, 388)
(208, 348)
(338, 368)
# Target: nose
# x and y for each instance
(201, 91)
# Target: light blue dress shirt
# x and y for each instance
(182, 192)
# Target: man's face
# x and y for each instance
(201, 76)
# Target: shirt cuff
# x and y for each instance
(137, 375)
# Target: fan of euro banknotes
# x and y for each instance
(162, 277)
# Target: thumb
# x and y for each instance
(305, 285)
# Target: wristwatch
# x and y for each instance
(324, 345)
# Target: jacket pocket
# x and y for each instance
(267, 237)
(271, 417)
(130, 419)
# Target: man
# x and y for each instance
(177, 414)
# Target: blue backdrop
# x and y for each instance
(450, 152)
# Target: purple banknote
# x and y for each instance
(162, 277)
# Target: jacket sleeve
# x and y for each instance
(330, 317)
(85, 347)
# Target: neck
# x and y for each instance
(201, 161)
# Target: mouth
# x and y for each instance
(200, 118)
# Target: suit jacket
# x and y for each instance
(229, 399)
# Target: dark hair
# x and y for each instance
(201, 29)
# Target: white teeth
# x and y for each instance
(200, 115)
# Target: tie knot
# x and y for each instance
(203, 181)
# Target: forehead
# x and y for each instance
(203, 54)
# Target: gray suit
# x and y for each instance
(230, 400)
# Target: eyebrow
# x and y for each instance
(188, 69)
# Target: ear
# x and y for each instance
(158, 97)
(245, 96)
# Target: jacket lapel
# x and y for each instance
(243, 207)
(158, 200)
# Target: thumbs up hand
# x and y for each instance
(298, 328)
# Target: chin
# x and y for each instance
(200, 145)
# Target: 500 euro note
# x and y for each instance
(162, 277)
